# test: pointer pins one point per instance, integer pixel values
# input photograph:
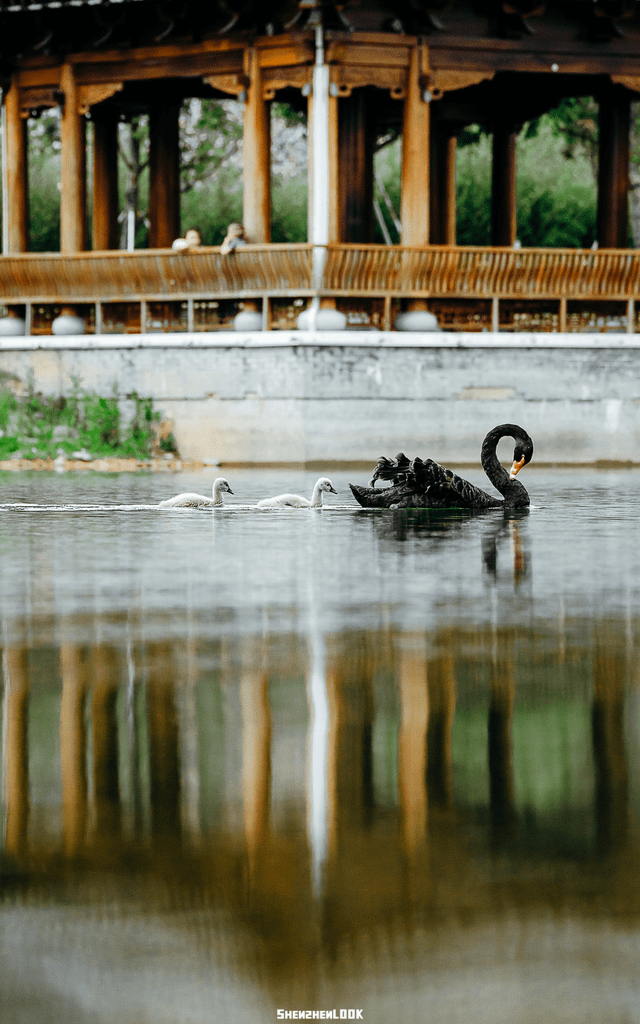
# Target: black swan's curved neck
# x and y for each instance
(513, 491)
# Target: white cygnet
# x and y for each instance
(190, 500)
(295, 501)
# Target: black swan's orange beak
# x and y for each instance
(515, 469)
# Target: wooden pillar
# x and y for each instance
(15, 167)
(106, 789)
(256, 210)
(501, 787)
(442, 703)
(164, 746)
(256, 758)
(349, 752)
(164, 175)
(435, 148)
(607, 724)
(613, 169)
(355, 167)
(503, 186)
(442, 230)
(414, 207)
(447, 189)
(105, 180)
(412, 747)
(73, 200)
(73, 748)
(15, 753)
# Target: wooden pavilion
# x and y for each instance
(429, 68)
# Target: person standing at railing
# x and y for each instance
(234, 238)
(191, 240)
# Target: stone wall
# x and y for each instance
(351, 396)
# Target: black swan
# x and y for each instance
(426, 484)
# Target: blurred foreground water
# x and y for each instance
(318, 759)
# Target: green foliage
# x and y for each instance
(44, 176)
(556, 193)
(140, 434)
(473, 173)
(386, 167)
(210, 136)
(289, 209)
(93, 422)
(575, 123)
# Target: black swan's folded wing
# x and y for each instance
(419, 483)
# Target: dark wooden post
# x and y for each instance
(73, 747)
(16, 206)
(164, 175)
(355, 167)
(503, 185)
(105, 179)
(607, 725)
(106, 790)
(442, 229)
(414, 209)
(501, 785)
(613, 169)
(73, 177)
(256, 209)
(164, 742)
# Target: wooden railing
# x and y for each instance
(555, 282)
(157, 274)
(475, 272)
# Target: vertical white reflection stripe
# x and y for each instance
(318, 759)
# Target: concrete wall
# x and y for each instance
(294, 397)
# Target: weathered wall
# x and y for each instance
(295, 397)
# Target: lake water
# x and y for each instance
(332, 759)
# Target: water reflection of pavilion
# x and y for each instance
(469, 776)
(197, 741)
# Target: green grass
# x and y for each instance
(93, 422)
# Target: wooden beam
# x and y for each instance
(613, 169)
(15, 184)
(414, 208)
(257, 157)
(503, 186)
(105, 181)
(73, 201)
(164, 175)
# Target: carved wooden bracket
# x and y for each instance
(443, 80)
(89, 95)
(346, 78)
(629, 81)
(231, 84)
(33, 98)
(284, 78)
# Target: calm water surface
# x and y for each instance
(317, 759)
